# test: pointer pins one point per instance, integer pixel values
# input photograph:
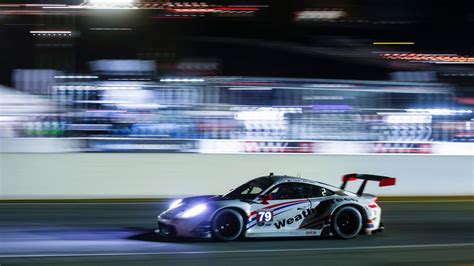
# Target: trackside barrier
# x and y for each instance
(156, 175)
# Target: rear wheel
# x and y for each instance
(346, 222)
(227, 225)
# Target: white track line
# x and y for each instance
(217, 252)
(86, 203)
(168, 201)
(424, 201)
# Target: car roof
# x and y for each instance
(278, 179)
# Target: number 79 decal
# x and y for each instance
(264, 217)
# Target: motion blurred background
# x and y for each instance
(136, 102)
(346, 77)
(356, 76)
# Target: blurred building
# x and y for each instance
(255, 76)
(293, 114)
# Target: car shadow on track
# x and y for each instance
(151, 236)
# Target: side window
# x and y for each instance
(251, 190)
(289, 191)
(317, 191)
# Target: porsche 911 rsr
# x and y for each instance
(277, 206)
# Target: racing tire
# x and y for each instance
(346, 223)
(227, 225)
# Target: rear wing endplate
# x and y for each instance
(383, 180)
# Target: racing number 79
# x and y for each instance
(264, 216)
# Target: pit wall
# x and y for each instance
(141, 175)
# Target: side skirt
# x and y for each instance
(287, 233)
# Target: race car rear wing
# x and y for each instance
(383, 181)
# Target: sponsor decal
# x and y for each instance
(252, 217)
(344, 199)
(282, 223)
(320, 218)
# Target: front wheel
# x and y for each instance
(346, 222)
(227, 225)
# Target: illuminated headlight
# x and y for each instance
(194, 211)
(175, 204)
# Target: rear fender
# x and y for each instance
(358, 203)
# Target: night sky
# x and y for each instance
(270, 43)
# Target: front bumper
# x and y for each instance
(184, 228)
(165, 230)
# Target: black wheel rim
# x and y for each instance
(227, 225)
(347, 222)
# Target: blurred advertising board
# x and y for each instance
(226, 146)
(320, 147)
(141, 145)
(255, 146)
(402, 147)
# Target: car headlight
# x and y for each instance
(175, 204)
(195, 210)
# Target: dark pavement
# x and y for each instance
(417, 233)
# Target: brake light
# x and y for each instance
(389, 181)
(349, 177)
(373, 204)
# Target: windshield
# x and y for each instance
(251, 189)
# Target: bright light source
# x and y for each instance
(250, 89)
(265, 113)
(51, 31)
(393, 43)
(176, 204)
(439, 111)
(194, 211)
(324, 97)
(76, 77)
(430, 58)
(110, 2)
(408, 119)
(182, 80)
(319, 14)
(331, 85)
(111, 28)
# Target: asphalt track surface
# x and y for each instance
(417, 233)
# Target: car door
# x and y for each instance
(321, 200)
(282, 214)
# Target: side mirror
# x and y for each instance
(265, 198)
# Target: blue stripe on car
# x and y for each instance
(276, 209)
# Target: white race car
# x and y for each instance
(277, 206)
